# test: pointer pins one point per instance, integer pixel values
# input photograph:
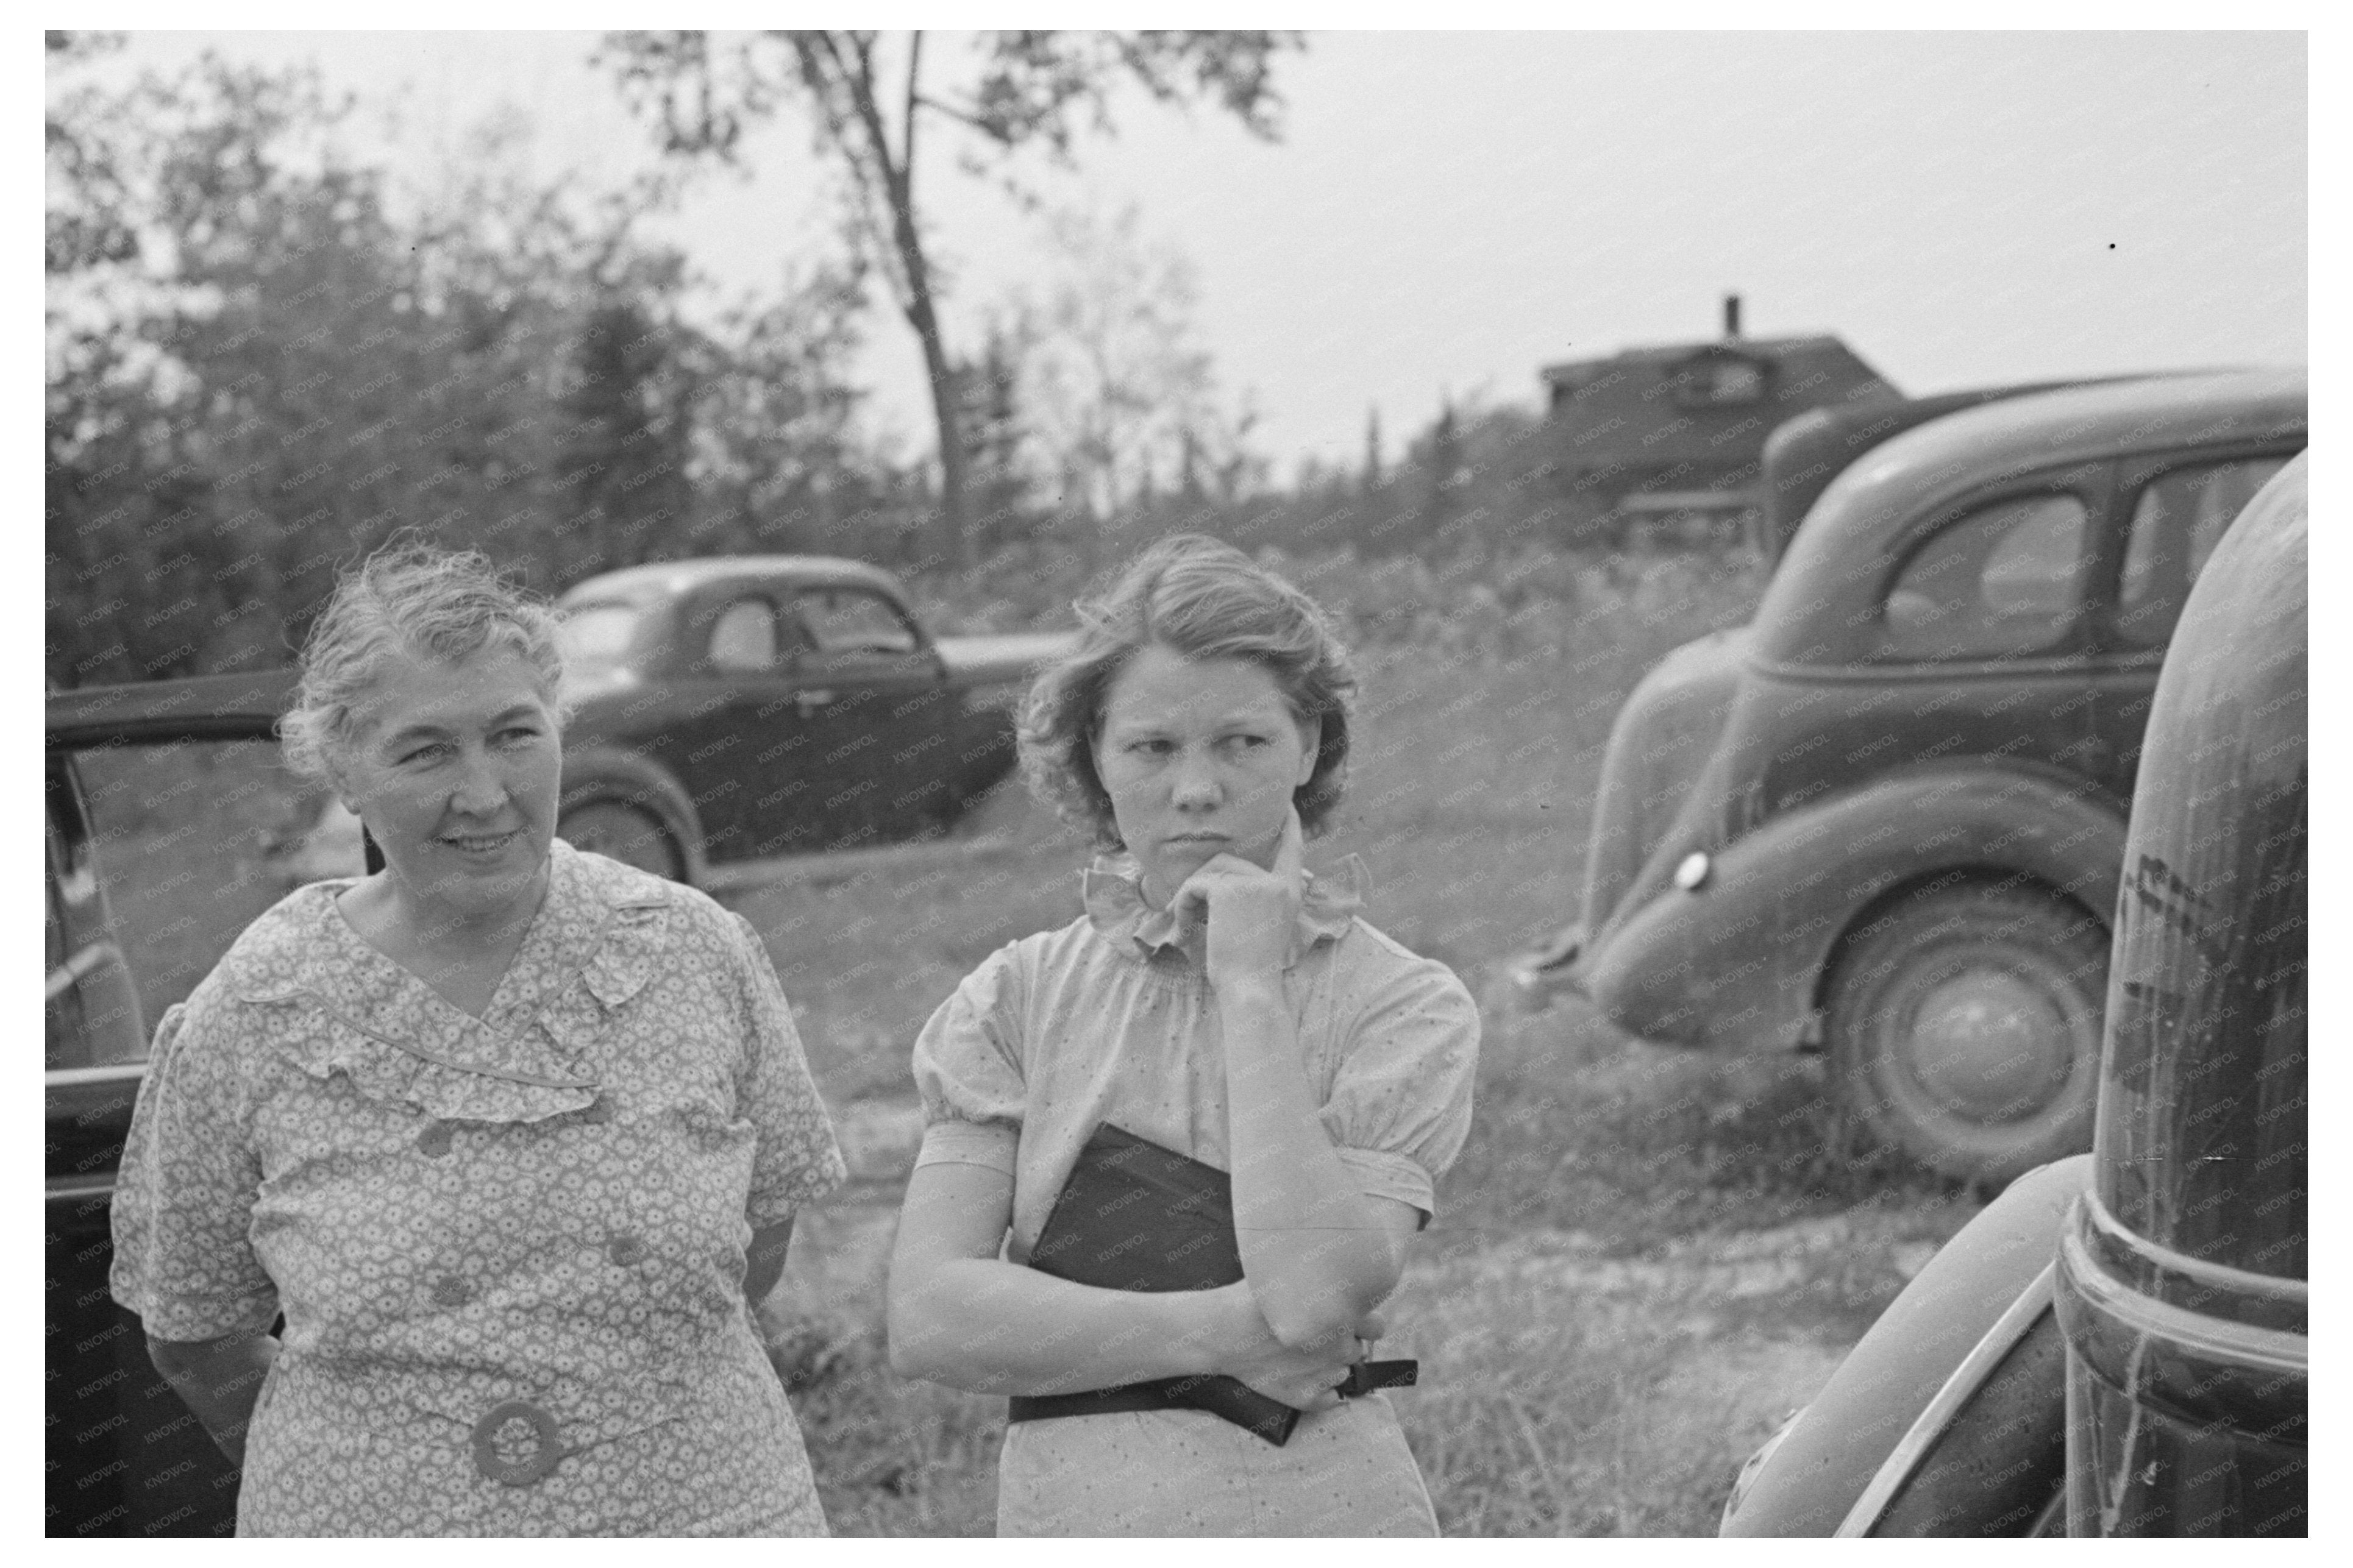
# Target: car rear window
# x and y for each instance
(846, 620)
(2177, 521)
(2000, 582)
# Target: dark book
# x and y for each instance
(1136, 1216)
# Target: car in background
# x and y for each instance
(735, 709)
(2120, 1344)
(1886, 817)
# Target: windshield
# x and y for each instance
(601, 633)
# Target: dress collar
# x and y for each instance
(1113, 891)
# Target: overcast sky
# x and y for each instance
(1446, 212)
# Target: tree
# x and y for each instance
(1031, 87)
(1115, 386)
(1445, 457)
(775, 452)
(256, 373)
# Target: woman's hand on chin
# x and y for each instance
(1251, 913)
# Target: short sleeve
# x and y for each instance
(796, 1158)
(968, 1070)
(1400, 1102)
(184, 1197)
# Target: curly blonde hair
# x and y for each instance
(413, 599)
(1200, 599)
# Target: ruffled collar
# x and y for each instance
(399, 1040)
(1113, 891)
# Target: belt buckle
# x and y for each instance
(524, 1472)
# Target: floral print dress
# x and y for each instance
(510, 1251)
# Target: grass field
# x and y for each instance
(1643, 1257)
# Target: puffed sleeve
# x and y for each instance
(1400, 1102)
(968, 1070)
(184, 1257)
(796, 1158)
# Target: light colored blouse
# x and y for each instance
(548, 1206)
(1111, 1019)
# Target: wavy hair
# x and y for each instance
(413, 599)
(1199, 598)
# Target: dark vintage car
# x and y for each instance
(1887, 816)
(159, 799)
(2119, 1345)
(740, 708)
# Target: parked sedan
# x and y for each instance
(739, 707)
(1887, 818)
(2119, 1345)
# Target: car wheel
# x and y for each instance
(1964, 1028)
(622, 832)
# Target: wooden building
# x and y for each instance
(1680, 427)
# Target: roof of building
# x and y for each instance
(1675, 354)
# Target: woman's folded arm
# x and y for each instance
(962, 1316)
(1318, 1251)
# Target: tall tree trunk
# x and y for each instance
(956, 543)
(897, 179)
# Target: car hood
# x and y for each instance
(1660, 743)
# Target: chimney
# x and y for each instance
(1732, 315)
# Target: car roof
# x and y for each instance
(236, 707)
(1839, 550)
(668, 579)
(1804, 454)
(2050, 429)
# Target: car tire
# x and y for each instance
(623, 832)
(1964, 1027)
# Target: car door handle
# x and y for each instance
(809, 702)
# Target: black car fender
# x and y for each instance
(1739, 956)
(1947, 1418)
(615, 772)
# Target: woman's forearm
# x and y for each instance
(993, 1326)
(219, 1380)
(1316, 1251)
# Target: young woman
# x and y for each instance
(1221, 1002)
(509, 1134)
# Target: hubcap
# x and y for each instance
(1990, 1045)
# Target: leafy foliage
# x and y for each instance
(864, 106)
(259, 369)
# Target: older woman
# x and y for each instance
(1218, 1021)
(508, 1133)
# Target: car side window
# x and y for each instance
(2177, 521)
(849, 620)
(2003, 581)
(743, 638)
